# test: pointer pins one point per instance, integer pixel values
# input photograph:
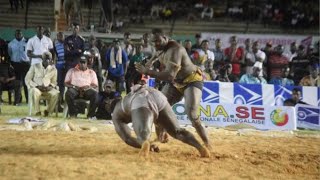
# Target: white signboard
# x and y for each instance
(260, 117)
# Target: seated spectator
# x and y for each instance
(207, 12)
(254, 77)
(295, 98)
(313, 79)
(9, 82)
(209, 73)
(283, 80)
(225, 74)
(154, 12)
(82, 83)
(41, 80)
(105, 100)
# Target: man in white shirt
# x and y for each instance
(41, 80)
(38, 45)
(202, 55)
(255, 55)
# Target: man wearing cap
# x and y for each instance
(82, 83)
(41, 80)
(38, 45)
(254, 77)
(117, 60)
(183, 77)
(105, 100)
(74, 47)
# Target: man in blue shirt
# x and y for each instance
(60, 63)
(19, 59)
(284, 80)
(117, 60)
(254, 77)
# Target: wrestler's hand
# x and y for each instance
(149, 64)
(141, 69)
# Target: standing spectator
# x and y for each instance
(60, 64)
(16, 3)
(187, 45)
(254, 77)
(197, 45)
(38, 45)
(202, 55)
(292, 52)
(74, 47)
(127, 44)
(94, 63)
(8, 81)
(139, 57)
(117, 60)
(283, 80)
(82, 83)
(218, 55)
(41, 80)
(106, 100)
(313, 79)
(277, 61)
(148, 49)
(94, 60)
(298, 65)
(234, 55)
(19, 59)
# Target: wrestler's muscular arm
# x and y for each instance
(172, 61)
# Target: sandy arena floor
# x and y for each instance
(96, 152)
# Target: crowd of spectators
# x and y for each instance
(287, 13)
(97, 72)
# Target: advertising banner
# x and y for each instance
(284, 40)
(308, 116)
(260, 117)
(255, 94)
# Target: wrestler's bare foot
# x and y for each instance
(145, 149)
(204, 152)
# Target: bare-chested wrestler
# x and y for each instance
(183, 77)
(144, 106)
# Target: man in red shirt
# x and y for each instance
(277, 62)
(234, 55)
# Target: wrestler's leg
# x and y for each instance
(142, 119)
(173, 96)
(192, 96)
(168, 120)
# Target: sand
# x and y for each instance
(95, 151)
